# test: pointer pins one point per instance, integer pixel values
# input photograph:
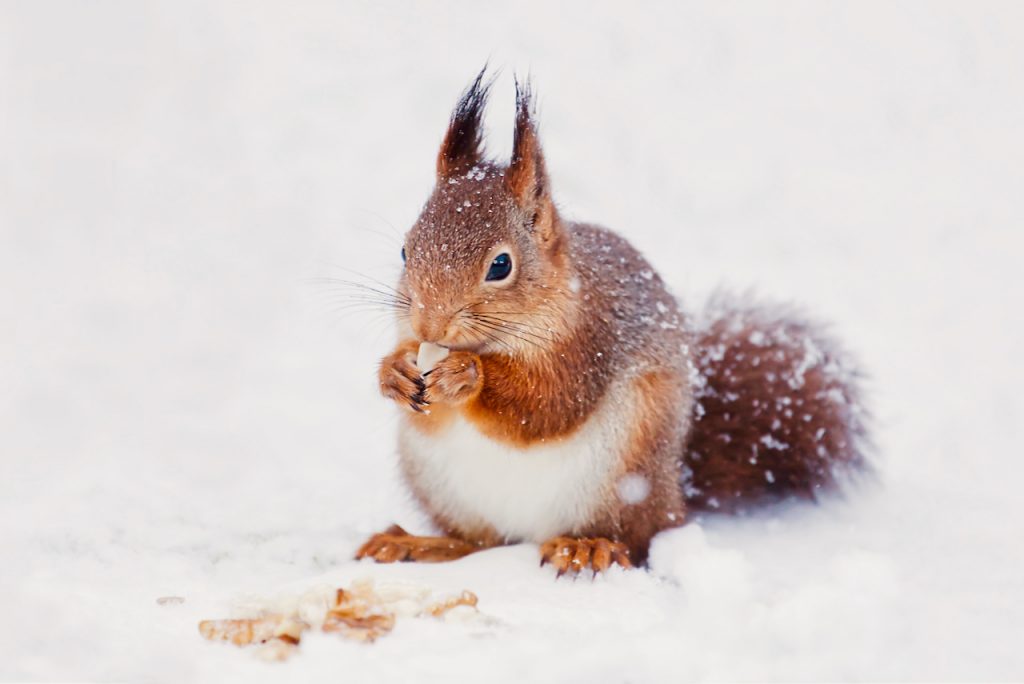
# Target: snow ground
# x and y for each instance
(183, 413)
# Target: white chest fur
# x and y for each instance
(527, 494)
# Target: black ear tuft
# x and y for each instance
(463, 143)
(525, 135)
(526, 178)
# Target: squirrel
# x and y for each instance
(578, 407)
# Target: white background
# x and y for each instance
(183, 412)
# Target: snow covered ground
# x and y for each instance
(184, 412)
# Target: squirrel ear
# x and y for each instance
(463, 143)
(526, 177)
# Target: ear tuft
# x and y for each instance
(463, 143)
(526, 178)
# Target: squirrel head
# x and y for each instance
(485, 263)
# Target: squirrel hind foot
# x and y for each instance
(395, 544)
(573, 555)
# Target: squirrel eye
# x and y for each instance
(403, 255)
(500, 267)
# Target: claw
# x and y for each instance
(602, 557)
(582, 557)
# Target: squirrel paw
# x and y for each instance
(454, 379)
(395, 544)
(573, 555)
(400, 380)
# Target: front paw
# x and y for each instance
(400, 379)
(455, 379)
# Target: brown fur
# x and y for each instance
(746, 407)
(778, 410)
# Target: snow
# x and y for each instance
(633, 488)
(184, 414)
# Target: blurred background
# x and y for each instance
(185, 410)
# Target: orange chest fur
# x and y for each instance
(523, 403)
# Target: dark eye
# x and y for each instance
(403, 255)
(500, 267)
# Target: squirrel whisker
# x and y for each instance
(341, 283)
(363, 299)
(473, 324)
(360, 307)
(381, 283)
(510, 327)
(345, 286)
(506, 330)
(520, 325)
(490, 336)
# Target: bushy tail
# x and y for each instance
(777, 412)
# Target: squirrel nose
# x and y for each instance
(430, 324)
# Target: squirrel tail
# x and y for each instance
(777, 412)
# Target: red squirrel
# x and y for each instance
(578, 407)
